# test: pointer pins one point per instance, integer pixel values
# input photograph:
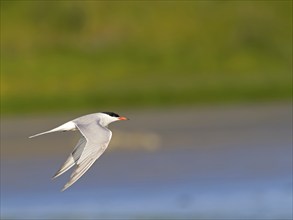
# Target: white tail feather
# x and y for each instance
(69, 126)
(46, 132)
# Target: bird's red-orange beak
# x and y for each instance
(123, 118)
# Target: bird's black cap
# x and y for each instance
(111, 114)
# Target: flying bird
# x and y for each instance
(94, 141)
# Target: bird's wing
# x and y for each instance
(97, 138)
(73, 157)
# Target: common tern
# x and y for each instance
(94, 141)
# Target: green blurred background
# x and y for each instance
(96, 55)
(225, 152)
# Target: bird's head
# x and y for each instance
(109, 117)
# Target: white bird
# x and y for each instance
(94, 141)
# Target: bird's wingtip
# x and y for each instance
(64, 188)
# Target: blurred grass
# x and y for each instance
(59, 55)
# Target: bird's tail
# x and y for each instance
(69, 126)
(46, 132)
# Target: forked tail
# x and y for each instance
(69, 126)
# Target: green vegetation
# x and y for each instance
(57, 55)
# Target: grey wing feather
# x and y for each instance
(73, 157)
(97, 140)
(79, 171)
(66, 166)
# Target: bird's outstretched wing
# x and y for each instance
(97, 139)
(73, 157)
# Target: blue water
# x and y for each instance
(229, 182)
